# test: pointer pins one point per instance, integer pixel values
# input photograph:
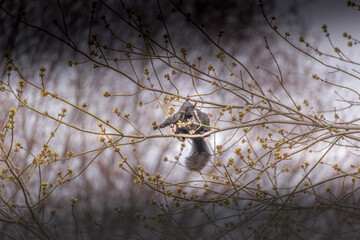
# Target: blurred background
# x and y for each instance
(99, 54)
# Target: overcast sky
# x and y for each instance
(335, 14)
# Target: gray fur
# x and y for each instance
(200, 154)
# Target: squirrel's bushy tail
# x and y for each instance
(199, 155)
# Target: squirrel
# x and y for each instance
(190, 120)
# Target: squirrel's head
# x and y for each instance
(187, 108)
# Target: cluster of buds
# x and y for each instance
(11, 122)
